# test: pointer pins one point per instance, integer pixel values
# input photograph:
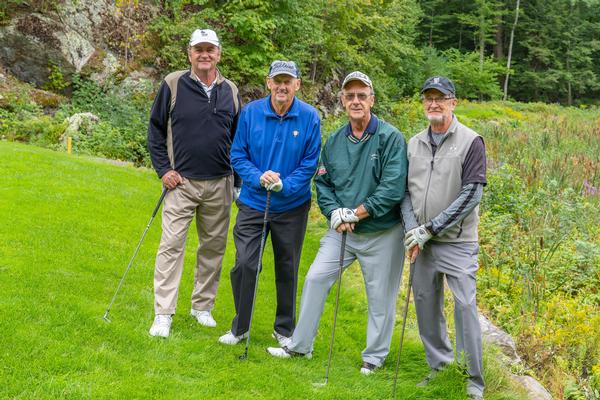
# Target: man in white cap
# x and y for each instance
(360, 183)
(276, 149)
(192, 125)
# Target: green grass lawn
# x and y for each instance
(68, 226)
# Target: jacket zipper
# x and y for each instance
(428, 184)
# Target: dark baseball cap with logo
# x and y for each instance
(440, 83)
(279, 67)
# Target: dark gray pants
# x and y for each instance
(458, 263)
(287, 234)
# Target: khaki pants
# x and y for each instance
(210, 201)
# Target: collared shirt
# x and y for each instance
(207, 88)
(369, 130)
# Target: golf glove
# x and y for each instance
(340, 215)
(276, 187)
(417, 236)
(236, 192)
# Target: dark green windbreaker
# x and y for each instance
(371, 172)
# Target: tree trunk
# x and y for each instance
(499, 46)
(510, 47)
(481, 40)
(431, 30)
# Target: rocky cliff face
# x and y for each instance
(67, 37)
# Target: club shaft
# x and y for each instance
(337, 303)
(263, 239)
(160, 200)
(405, 314)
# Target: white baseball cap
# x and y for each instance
(204, 36)
(357, 76)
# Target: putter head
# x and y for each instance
(243, 357)
(105, 318)
(319, 384)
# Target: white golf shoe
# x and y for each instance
(204, 318)
(161, 325)
(368, 368)
(284, 352)
(282, 340)
(230, 339)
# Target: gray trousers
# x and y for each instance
(458, 262)
(381, 257)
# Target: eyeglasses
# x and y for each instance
(439, 100)
(361, 96)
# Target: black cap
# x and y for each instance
(440, 83)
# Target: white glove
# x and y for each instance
(417, 236)
(340, 215)
(236, 192)
(276, 187)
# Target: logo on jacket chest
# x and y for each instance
(295, 133)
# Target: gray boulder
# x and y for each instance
(79, 124)
(33, 42)
(535, 391)
(493, 335)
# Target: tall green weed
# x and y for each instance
(540, 241)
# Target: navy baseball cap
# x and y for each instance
(440, 83)
(279, 67)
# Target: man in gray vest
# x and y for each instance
(192, 124)
(446, 176)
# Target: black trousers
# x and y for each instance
(287, 231)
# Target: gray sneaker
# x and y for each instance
(430, 376)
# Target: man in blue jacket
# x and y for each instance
(276, 148)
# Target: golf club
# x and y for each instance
(162, 196)
(405, 313)
(335, 311)
(260, 253)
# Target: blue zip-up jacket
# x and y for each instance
(288, 144)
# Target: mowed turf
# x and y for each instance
(68, 227)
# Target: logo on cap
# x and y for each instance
(279, 67)
(357, 76)
(204, 36)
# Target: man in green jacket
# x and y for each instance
(360, 182)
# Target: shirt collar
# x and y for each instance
(195, 78)
(292, 112)
(369, 130)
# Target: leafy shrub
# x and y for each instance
(56, 80)
(40, 130)
(472, 80)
